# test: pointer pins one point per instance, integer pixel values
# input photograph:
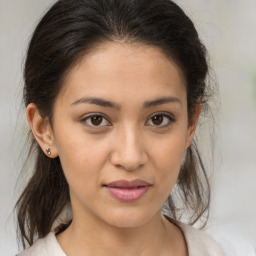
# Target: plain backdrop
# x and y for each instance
(228, 28)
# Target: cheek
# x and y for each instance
(167, 159)
(82, 163)
(81, 156)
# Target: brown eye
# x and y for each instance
(96, 120)
(161, 119)
(157, 119)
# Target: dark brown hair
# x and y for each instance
(68, 31)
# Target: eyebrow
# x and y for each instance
(106, 103)
(97, 101)
(161, 101)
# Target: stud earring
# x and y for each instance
(48, 151)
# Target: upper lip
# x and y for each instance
(127, 184)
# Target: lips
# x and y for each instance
(128, 184)
(127, 191)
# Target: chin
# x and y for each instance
(127, 219)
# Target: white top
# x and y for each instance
(198, 243)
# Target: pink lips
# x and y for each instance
(127, 191)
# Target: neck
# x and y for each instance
(89, 237)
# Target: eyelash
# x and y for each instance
(170, 118)
(88, 117)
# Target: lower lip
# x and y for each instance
(127, 194)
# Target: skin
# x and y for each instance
(125, 144)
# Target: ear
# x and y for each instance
(41, 130)
(192, 126)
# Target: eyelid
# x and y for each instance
(171, 118)
(88, 116)
(165, 114)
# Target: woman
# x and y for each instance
(113, 92)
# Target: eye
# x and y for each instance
(161, 120)
(95, 120)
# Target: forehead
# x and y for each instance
(124, 70)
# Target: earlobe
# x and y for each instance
(41, 130)
(192, 127)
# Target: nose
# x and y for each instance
(128, 151)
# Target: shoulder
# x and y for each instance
(44, 246)
(199, 243)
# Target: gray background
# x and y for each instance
(228, 28)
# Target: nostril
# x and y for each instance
(129, 156)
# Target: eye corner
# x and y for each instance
(163, 116)
(101, 121)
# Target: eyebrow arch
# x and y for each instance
(161, 101)
(97, 101)
(110, 104)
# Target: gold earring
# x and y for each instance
(48, 151)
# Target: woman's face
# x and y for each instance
(120, 128)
